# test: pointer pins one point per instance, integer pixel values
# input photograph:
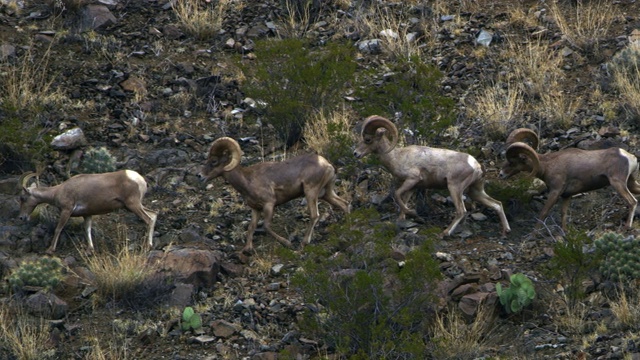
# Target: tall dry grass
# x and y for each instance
(120, 277)
(586, 23)
(28, 81)
(26, 337)
(454, 337)
(203, 20)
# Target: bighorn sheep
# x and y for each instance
(90, 194)
(268, 184)
(427, 167)
(571, 171)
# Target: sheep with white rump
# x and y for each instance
(90, 194)
(572, 171)
(268, 184)
(426, 167)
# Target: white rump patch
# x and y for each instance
(138, 179)
(631, 159)
(473, 162)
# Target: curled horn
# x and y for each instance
(521, 135)
(24, 179)
(518, 149)
(227, 144)
(374, 122)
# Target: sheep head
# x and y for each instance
(523, 135)
(27, 202)
(520, 157)
(224, 156)
(373, 136)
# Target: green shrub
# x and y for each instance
(291, 80)
(620, 257)
(96, 161)
(45, 272)
(190, 320)
(411, 89)
(518, 295)
(572, 263)
(627, 62)
(367, 304)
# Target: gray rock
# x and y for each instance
(69, 140)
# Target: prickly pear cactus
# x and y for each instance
(620, 257)
(97, 160)
(45, 272)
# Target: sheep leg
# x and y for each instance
(87, 232)
(312, 200)
(456, 195)
(64, 217)
(148, 216)
(332, 198)
(551, 200)
(267, 213)
(628, 197)
(248, 246)
(564, 206)
(407, 185)
(477, 193)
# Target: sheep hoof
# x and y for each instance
(248, 251)
(50, 251)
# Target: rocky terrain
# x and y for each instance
(128, 70)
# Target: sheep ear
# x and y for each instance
(380, 132)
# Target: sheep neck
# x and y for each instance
(46, 194)
(239, 180)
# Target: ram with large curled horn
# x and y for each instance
(87, 195)
(572, 171)
(268, 184)
(426, 167)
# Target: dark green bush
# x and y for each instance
(573, 262)
(291, 79)
(367, 304)
(411, 89)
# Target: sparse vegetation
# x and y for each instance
(292, 80)
(26, 337)
(126, 278)
(203, 20)
(366, 305)
(410, 91)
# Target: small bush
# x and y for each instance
(292, 80)
(365, 303)
(96, 161)
(574, 261)
(518, 295)
(410, 90)
(45, 272)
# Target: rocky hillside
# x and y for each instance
(148, 86)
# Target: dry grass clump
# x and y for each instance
(321, 130)
(27, 338)
(626, 77)
(626, 307)
(125, 277)
(586, 23)
(28, 84)
(203, 19)
(498, 106)
(455, 338)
